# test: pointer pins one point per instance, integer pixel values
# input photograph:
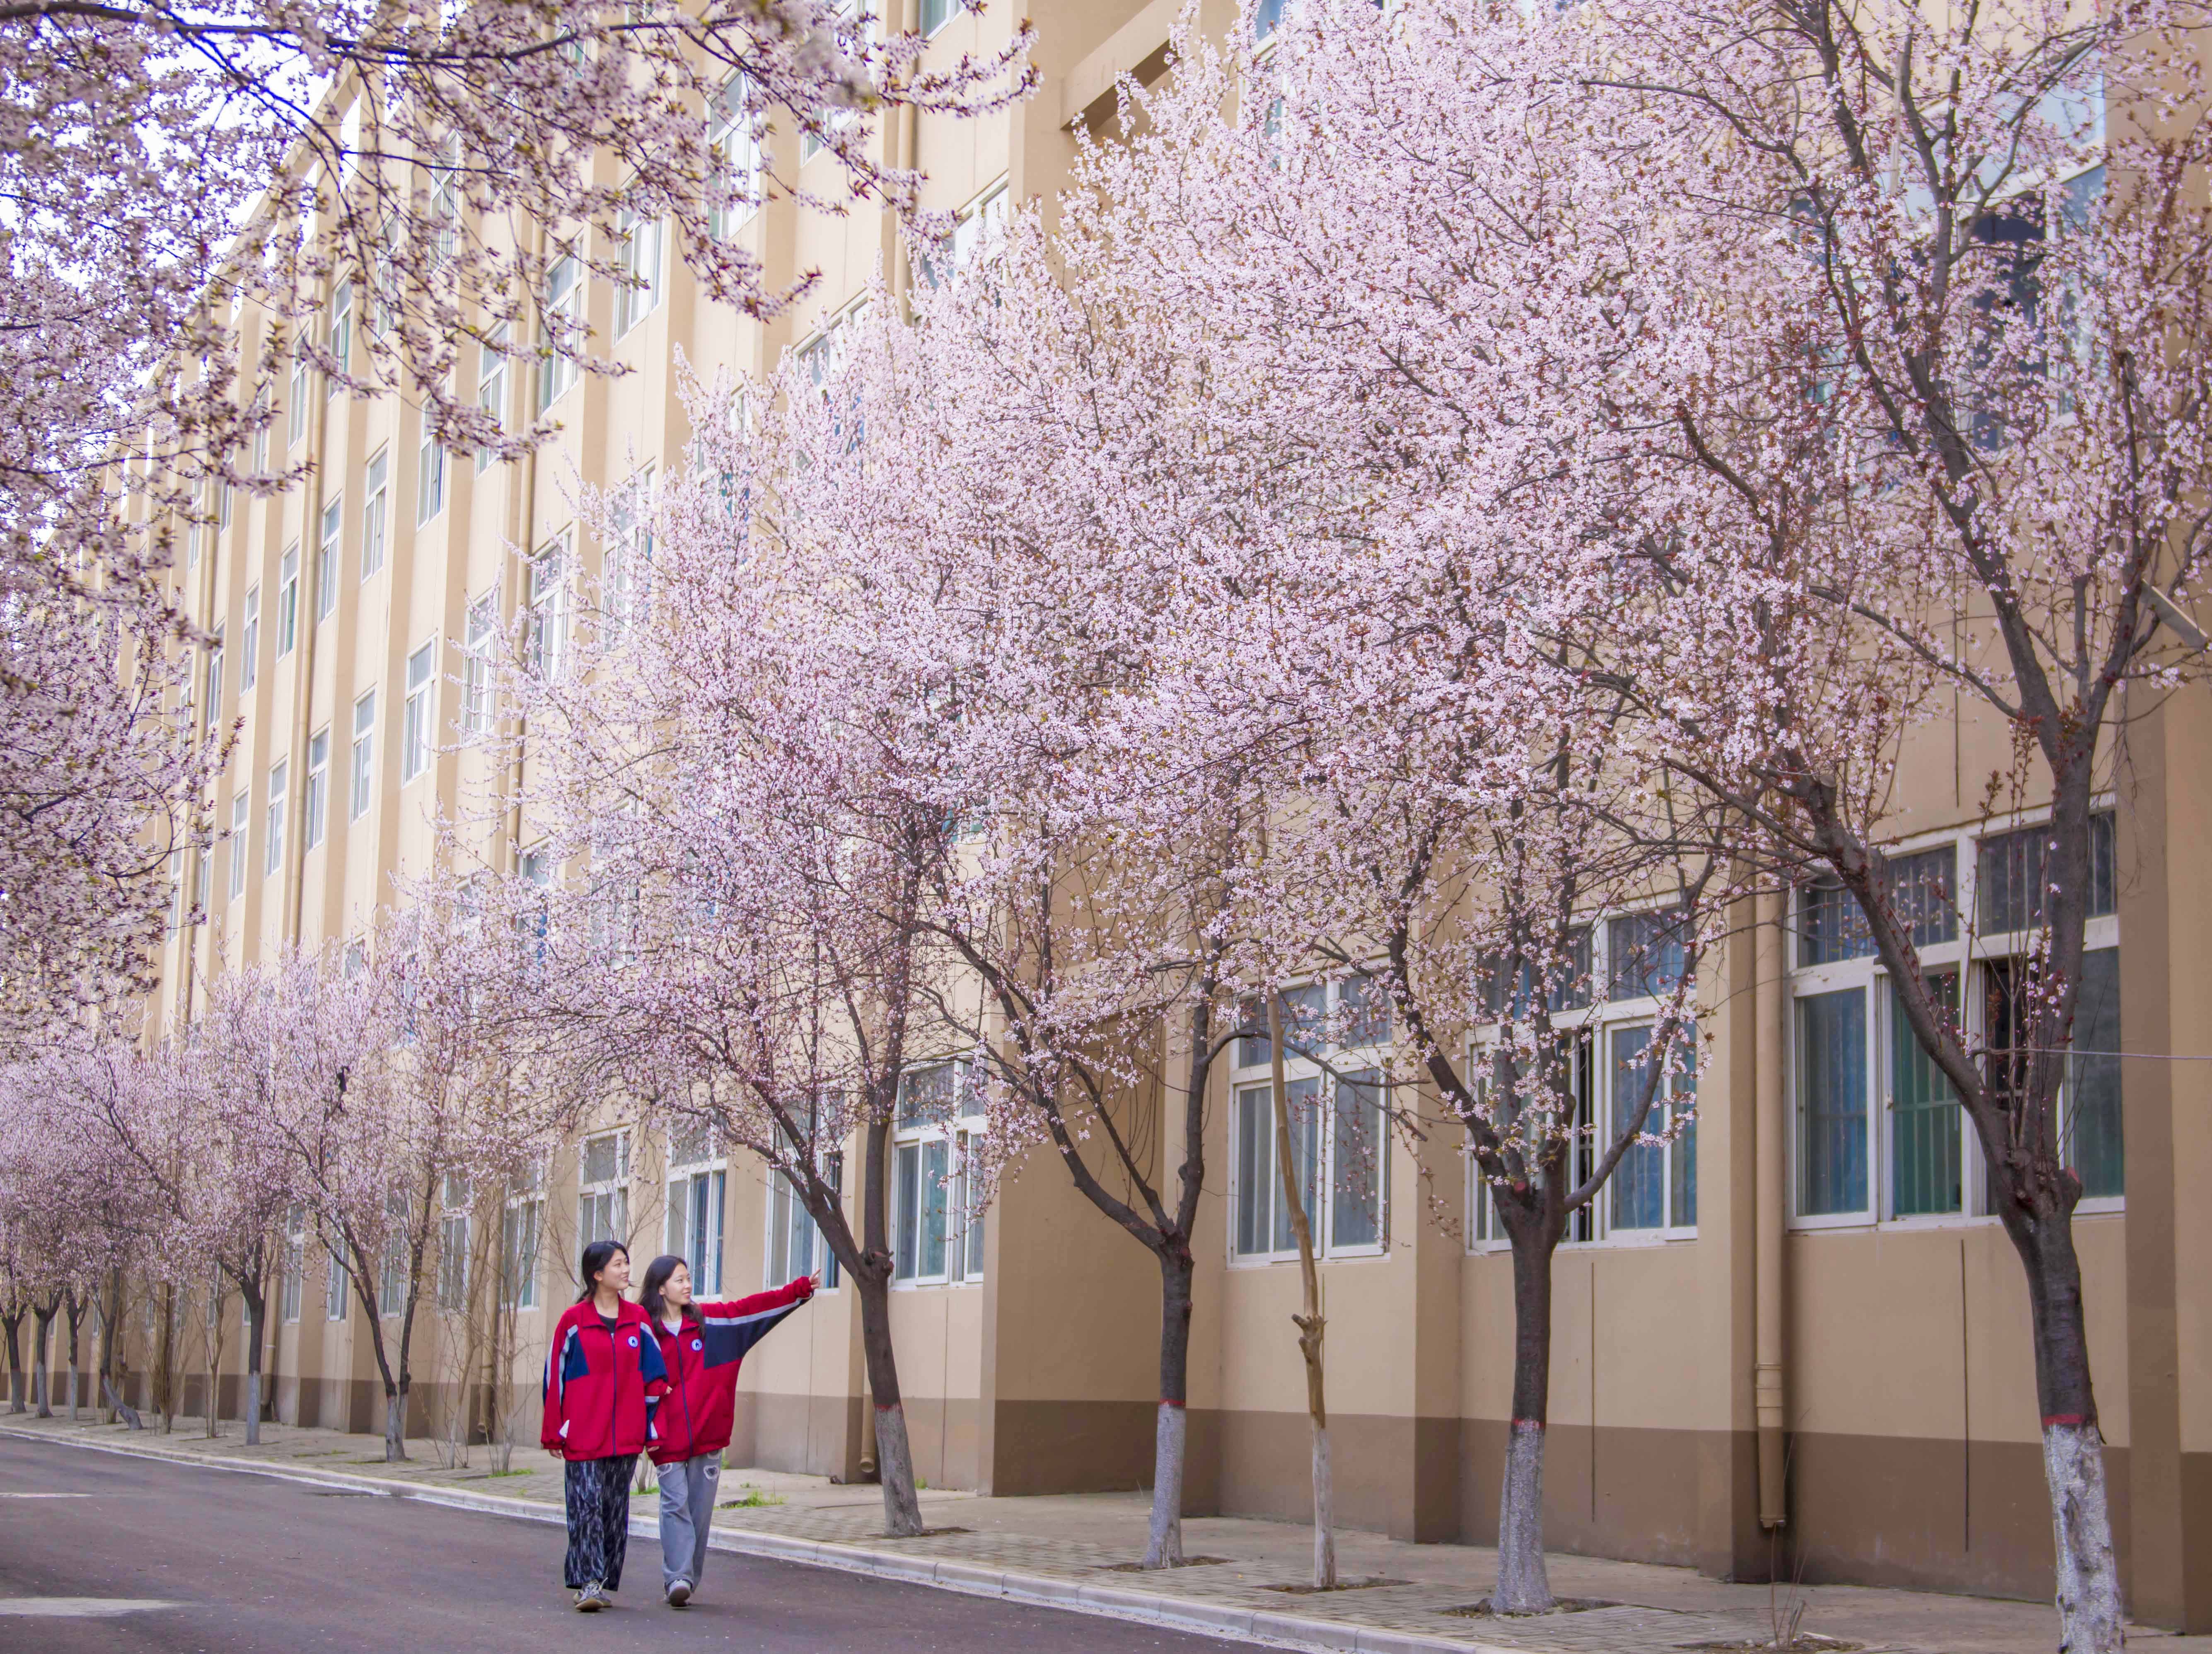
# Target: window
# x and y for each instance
(696, 1180)
(1831, 1102)
(317, 801)
(2013, 872)
(1267, 18)
(446, 204)
(519, 1223)
(549, 609)
(261, 415)
(629, 554)
(981, 222)
(737, 146)
(296, 412)
(336, 1278)
(2092, 1105)
(602, 1190)
(375, 518)
(429, 479)
(937, 1189)
(247, 669)
(1644, 954)
(364, 753)
(1881, 1135)
(936, 13)
(240, 807)
(416, 743)
(288, 601)
(491, 386)
(562, 332)
(476, 666)
(214, 678)
(453, 1245)
(1338, 1140)
(294, 1264)
(1928, 1150)
(1654, 1187)
(795, 1244)
(341, 335)
(394, 1277)
(273, 833)
(637, 256)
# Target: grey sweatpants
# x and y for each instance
(687, 1512)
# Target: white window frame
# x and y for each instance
(696, 1207)
(491, 387)
(376, 517)
(249, 672)
(338, 1281)
(627, 556)
(241, 816)
(295, 1264)
(565, 285)
(1598, 1022)
(454, 1241)
(522, 1221)
(1252, 1074)
(613, 1191)
(430, 478)
(482, 626)
(638, 254)
(317, 796)
(546, 587)
(913, 1140)
(363, 770)
(421, 705)
(287, 599)
(732, 136)
(1966, 955)
(272, 857)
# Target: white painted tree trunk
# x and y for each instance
(1324, 1495)
(1163, 1540)
(894, 1469)
(72, 1379)
(1523, 1584)
(253, 1409)
(395, 1427)
(2090, 1618)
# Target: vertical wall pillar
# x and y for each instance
(1771, 1183)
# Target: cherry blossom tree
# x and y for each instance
(741, 781)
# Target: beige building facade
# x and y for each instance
(1817, 1260)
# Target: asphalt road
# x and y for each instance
(248, 1563)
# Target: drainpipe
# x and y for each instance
(1769, 1008)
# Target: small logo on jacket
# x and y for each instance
(696, 1345)
(632, 1340)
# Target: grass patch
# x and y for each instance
(756, 1498)
(496, 1473)
(1482, 1610)
(1342, 1585)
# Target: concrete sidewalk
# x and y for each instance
(1075, 1551)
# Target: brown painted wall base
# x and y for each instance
(1932, 1515)
(1607, 1491)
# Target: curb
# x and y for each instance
(1260, 1626)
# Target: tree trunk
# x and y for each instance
(2091, 1617)
(165, 1365)
(13, 1324)
(1311, 1328)
(1523, 1586)
(42, 1335)
(256, 1312)
(75, 1311)
(395, 1423)
(110, 1312)
(1164, 1541)
(894, 1456)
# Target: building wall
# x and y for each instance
(1911, 1430)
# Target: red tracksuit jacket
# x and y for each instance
(601, 1388)
(702, 1360)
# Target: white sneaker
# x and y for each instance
(679, 1593)
(591, 1598)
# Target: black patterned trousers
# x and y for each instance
(598, 1496)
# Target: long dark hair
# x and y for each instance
(596, 1257)
(656, 1277)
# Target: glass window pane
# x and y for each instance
(1682, 1155)
(1923, 889)
(1830, 927)
(1927, 1154)
(1646, 954)
(933, 1200)
(1303, 1098)
(2093, 1136)
(1831, 1103)
(2013, 874)
(1639, 1182)
(906, 1169)
(1356, 1149)
(1255, 1168)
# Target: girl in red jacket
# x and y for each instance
(701, 1346)
(604, 1379)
